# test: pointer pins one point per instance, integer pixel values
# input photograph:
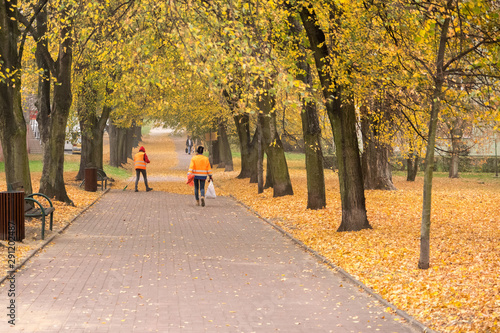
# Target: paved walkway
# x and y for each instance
(154, 262)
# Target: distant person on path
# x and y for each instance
(200, 168)
(189, 145)
(140, 162)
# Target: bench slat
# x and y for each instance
(33, 212)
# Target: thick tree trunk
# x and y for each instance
(86, 109)
(274, 148)
(44, 82)
(343, 120)
(316, 194)
(214, 152)
(342, 114)
(242, 122)
(130, 132)
(225, 147)
(52, 181)
(12, 122)
(113, 145)
(122, 146)
(92, 131)
(377, 173)
(137, 136)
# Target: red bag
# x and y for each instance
(190, 180)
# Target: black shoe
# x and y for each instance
(136, 190)
(149, 189)
(202, 201)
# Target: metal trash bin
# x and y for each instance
(12, 216)
(91, 179)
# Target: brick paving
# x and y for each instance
(155, 262)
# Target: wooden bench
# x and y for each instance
(101, 177)
(33, 207)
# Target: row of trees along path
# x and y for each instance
(200, 65)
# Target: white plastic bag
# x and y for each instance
(210, 192)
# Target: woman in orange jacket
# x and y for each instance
(200, 168)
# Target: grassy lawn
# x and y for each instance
(488, 177)
(72, 164)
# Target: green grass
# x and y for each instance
(295, 156)
(37, 166)
(117, 173)
(289, 156)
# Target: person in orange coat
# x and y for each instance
(140, 162)
(200, 168)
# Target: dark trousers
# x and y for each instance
(138, 175)
(199, 184)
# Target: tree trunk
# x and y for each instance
(343, 120)
(137, 136)
(425, 228)
(44, 82)
(316, 194)
(273, 147)
(342, 115)
(225, 147)
(454, 163)
(215, 152)
(412, 167)
(52, 181)
(114, 161)
(122, 146)
(12, 122)
(377, 174)
(256, 153)
(456, 136)
(129, 139)
(242, 122)
(269, 172)
(92, 131)
(119, 149)
(260, 158)
(311, 131)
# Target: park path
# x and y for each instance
(155, 262)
